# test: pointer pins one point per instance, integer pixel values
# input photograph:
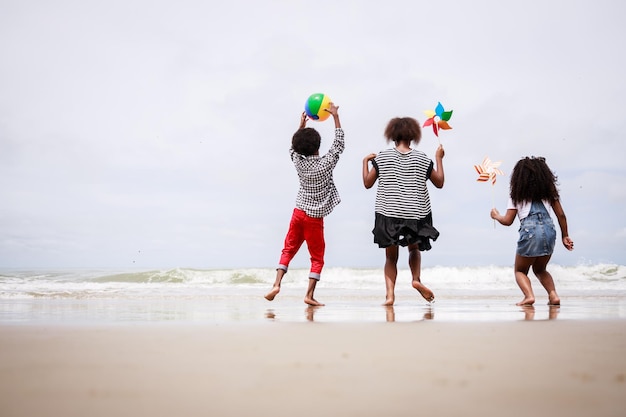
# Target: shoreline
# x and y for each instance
(340, 307)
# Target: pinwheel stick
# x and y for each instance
(493, 203)
(487, 172)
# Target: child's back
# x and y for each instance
(317, 197)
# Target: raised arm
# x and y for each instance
(303, 120)
(334, 111)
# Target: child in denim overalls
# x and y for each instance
(533, 190)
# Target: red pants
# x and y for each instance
(304, 228)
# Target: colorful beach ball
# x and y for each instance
(316, 105)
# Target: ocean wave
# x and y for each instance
(187, 282)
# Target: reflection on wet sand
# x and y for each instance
(529, 312)
(310, 312)
(390, 314)
(452, 310)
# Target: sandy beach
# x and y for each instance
(557, 367)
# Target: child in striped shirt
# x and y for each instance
(403, 215)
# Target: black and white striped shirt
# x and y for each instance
(402, 191)
(317, 195)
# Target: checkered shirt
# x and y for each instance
(317, 195)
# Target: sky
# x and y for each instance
(156, 134)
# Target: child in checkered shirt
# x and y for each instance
(317, 197)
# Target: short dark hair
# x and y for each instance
(403, 129)
(306, 141)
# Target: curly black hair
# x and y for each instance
(403, 129)
(533, 180)
(306, 141)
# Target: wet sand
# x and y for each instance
(273, 368)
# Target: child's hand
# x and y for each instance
(369, 157)
(568, 243)
(440, 152)
(495, 213)
(303, 120)
(332, 109)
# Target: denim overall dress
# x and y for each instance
(537, 235)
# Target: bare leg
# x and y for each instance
(391, 273)
(280, 273)
(522, 265)
(415, 263)
(545, 278)
(308, 298)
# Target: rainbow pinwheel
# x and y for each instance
(438, 119)
(488, 170)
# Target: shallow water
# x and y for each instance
(289, 307)
(351, 295)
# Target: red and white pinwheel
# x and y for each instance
(488, 170)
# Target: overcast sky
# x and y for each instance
(156, 133)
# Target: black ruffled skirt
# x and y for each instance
(390, 231)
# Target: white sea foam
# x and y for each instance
(236, 295)
(189, 283)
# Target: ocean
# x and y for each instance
(214, 296)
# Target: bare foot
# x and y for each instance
(527, 301)
(312, 301)
(270, 295)
(553, 299)
(424, 291)
(389, 301)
